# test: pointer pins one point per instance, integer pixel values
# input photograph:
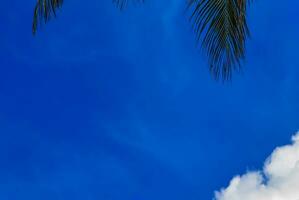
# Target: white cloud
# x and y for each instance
(279, 180)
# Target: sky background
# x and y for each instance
(111, 105)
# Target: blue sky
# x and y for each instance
(112, 105)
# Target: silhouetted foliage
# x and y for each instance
(43, 11)
(220, 26)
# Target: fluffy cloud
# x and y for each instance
(279, 180)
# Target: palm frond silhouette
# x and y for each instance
(220, 26)
(43, 11)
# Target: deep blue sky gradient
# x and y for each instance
(110, 105)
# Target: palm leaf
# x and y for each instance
(43, 11)
(221, 27)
